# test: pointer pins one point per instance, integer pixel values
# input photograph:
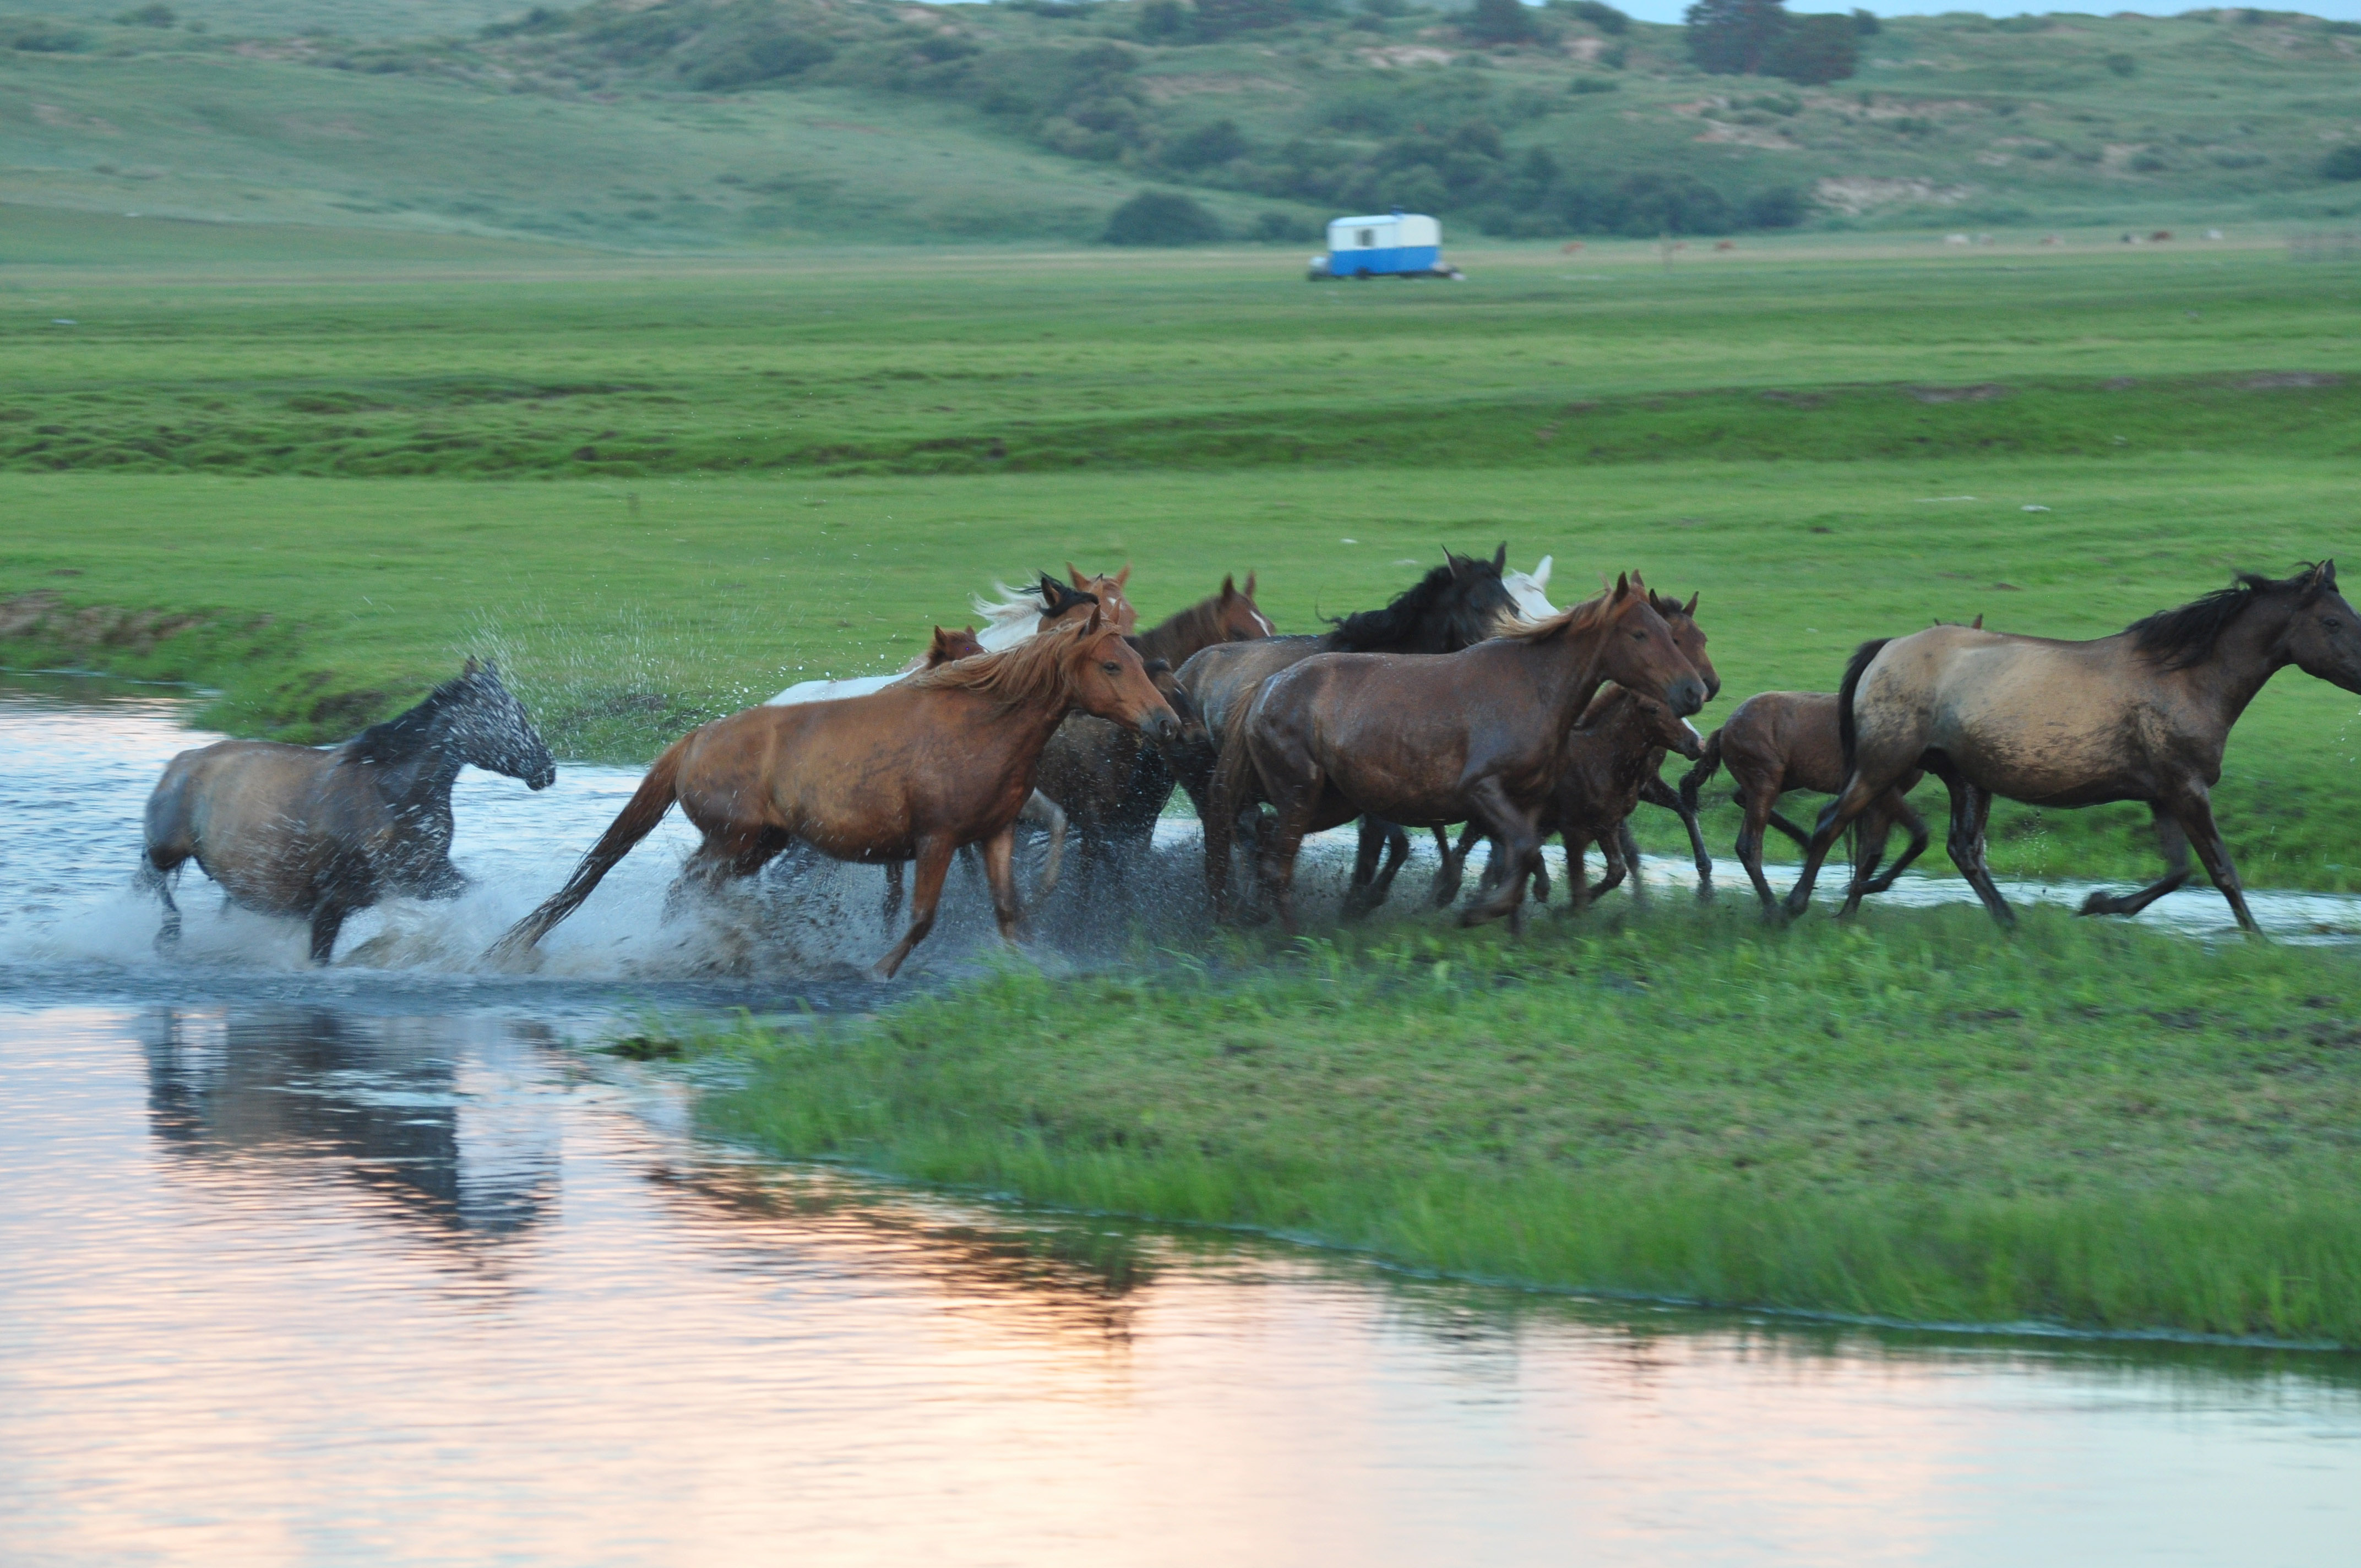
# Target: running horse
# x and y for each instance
(318, 834)
(1111, 782)
(1472, 736)
(2143, 715)
(913, 772)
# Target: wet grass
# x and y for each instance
(1915, 1117)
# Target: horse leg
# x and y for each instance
(1627, 851)
(1759, 800)
(892, 893)
(2194, 811)
(1838, 814)
(1275, 867)
(2174, 842)
(1515, 843)
(1396, 855)
(158, 877)
(1656, 792)
(1000, 871)
(934, 862)
(1043, 812)
(1455, 864)
(1969, 809)
(327, 919)
(1893, 809)
(1360, 894)
(1612, 867)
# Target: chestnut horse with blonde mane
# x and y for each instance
(944, 759)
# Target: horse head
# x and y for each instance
(1240, 619)
(1457, 605)
(1060, 604)
(949, 647)
(1109, 680)
(1530, 589)
(2323, 635)
(1637, 650)
(1108, 591)
(1690, 638)
(489, 729)
(1660, 727)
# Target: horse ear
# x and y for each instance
(1092, 625)
(1623, 585)
(1977, 624)
(1123, 577)
(1541, 571)
(2326, 574)
(1500, 557)
(1250, 577)
(1079, 581)
(1229, 586)
(468, 670)
(1639, 585)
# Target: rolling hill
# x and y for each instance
(696, 124)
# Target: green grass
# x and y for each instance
(1918, 1117)
(1197, 415)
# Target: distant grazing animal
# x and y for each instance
(1776, 741)
(946, 647)
(1022, 612)
(2143, 715)
(1471, 736)
(317, 834)
(1604, 762)
(913, 772)
(1111, 781)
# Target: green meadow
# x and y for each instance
(312, 479)
(1915, 1117)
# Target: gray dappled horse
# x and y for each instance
(315, 834)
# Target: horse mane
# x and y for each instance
(398, 738)
(1580, 617)
(1397, 622)
(2185, 636)
(1032, 674)
(1666, 605)
(1164, 640)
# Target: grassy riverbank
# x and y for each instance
(1917, 1117)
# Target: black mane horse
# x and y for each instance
(317, 834)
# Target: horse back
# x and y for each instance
(1221, 679)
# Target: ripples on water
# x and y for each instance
(372, 1266)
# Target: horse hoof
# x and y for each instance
(2100, 903)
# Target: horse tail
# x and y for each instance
(1847, 733)
(1230, 795)
(1709, 763)
(634, 822)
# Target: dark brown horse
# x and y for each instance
(943, 759)
(1110, 782)
(2144, 715)
(1623, 853)
(1607, 758)
(1473, 736)
(1776, 741)
(316, 834)
(1454, 605)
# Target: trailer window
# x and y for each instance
(1365, 238)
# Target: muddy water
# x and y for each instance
(376, 1266)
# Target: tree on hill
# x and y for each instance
(1161, 217)
(1758, 38)
(1499, 22)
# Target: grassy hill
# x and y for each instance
(757, 122)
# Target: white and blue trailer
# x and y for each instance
(1399, 244)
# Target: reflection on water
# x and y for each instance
(297, 1285)
(372, 1265)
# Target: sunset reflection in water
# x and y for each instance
(285, 1285)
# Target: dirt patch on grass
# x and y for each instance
(43, 615)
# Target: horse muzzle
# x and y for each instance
(1160, 724)
(542, 777)
(1685, 696)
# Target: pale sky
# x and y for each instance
(1670, 10)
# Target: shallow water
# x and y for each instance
(376, 1266)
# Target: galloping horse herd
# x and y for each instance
(1469, 699)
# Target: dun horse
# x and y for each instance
(316, 834)
(913, 772)
(1110, 782)
(1472, 736)
(2143, 715)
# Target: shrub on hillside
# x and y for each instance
(1499, 22)
(2124, 64)
(1220, 142)
(1604, 18)
(149, 16)
(1161, 217)
(1815, 49)
(1758, 38)
(2343, 163)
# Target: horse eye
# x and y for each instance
(2332, 624)
(1112, 668)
